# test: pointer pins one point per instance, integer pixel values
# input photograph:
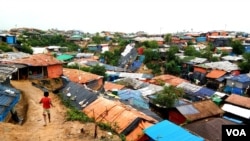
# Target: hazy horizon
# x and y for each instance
(153, 17)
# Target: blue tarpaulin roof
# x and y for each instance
(204, 92)
(247, 48)
(236, 90)
(168, 131)
(134, 97)
(241, 78)
(8, 99)
(222, 78)
(135, 65)
(128, 93)
(142, 58)
(227, 89)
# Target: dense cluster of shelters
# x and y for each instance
(215, 92)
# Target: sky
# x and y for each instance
(130, 16)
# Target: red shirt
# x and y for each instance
(46, 102)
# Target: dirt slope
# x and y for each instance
(59, 129)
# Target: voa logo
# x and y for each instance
(236, 132)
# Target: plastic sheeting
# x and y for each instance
(243, 78)
(8, 99)
(204, 92)
(128, 55)
(168, 131)
(189, 88)
(135, 66)
(150, 89)
(236, 90)
(134, 97)
(132, 82)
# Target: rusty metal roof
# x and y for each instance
(37, 60)
(79, 76)
(109, 86)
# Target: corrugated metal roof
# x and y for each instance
(6, 71)
(8, 99)
(84, 55)
(92, 62)
(79, 76)
(187, 109)
(221, 65)
(80, 92)
(189, 88)
(232, 58)
(216, 74)
(37, 60)
(168, 131)
(130, 75)
(132, 82)
(13, 55)
(210, 129)
(206, 108)
(137, 132)
(198, 60)
(170, 79)
(109, 86)
(238, 100)
(150, 89)
(115, 113)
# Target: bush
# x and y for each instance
(5, 47)
(77, 115)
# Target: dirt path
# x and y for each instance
(32, 128)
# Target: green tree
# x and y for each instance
(47, 40)
(207, 53)
(211, 46)
(123, 42)
(168, 38)
(170, 54)
(111, 58)
(168, 96)
(237, 46)
(150, 44)
(191, 51)
(215, 59)
(99, 70)
(245, 64)
(189, 43)
(151, 55)
(155, 67)
(26, 48)
(172, 68)
(97, 39)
